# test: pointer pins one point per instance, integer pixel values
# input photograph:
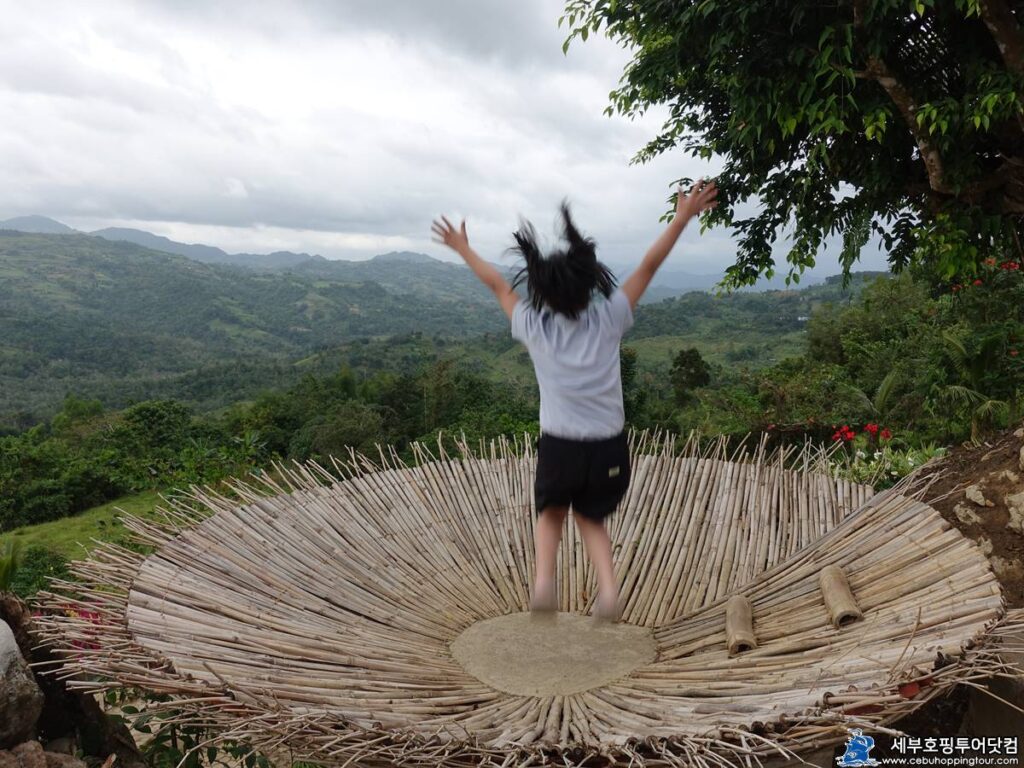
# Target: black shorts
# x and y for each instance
(590, 475)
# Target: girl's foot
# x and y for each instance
(544, 599)
(607, 607)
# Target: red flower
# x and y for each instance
(977, 281)
(844, 433)
(872, 428)
(990, 262)
(1014, 353)
(886, 434)
(771, 426)
(956, 287)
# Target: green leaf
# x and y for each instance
(693, 58)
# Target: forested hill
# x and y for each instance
(417, 275)
(764, 313)
(120, 323)
(85, 314)
(414, 274)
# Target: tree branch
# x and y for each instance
(879, 71)
(904, 102)
(1006, 31)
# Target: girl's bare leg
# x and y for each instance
(599, 549)
(550, 525)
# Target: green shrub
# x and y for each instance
(10, 560)
(38, 566)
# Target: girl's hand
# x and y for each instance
(701, 198)
(445, 233)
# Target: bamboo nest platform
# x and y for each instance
(319, 611)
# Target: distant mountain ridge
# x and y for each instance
(667, 284)
(42, 225)
(207, 254)
(408, 257)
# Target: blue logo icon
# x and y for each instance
(858, 748)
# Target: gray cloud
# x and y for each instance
(340, 127)
(518, 33)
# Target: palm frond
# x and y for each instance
(993, 409)
(956, 351)
(960, 395)
(884, 392)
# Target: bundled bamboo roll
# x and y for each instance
(739, 625)
(315, 610)
(839, 600)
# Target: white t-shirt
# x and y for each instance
(577, 365)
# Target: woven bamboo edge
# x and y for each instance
(111, 659)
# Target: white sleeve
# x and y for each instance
(620, 312)
(521, 321)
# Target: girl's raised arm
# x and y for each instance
(458, 241)
(701, 197)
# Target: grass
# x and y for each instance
(656, 353)
(69, 535)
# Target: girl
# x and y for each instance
(573, 341)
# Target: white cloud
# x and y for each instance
(333, 126)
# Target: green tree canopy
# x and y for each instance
(899, 116)
(689, 371)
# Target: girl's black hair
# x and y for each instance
(566, 279)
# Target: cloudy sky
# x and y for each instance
(339, 127)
